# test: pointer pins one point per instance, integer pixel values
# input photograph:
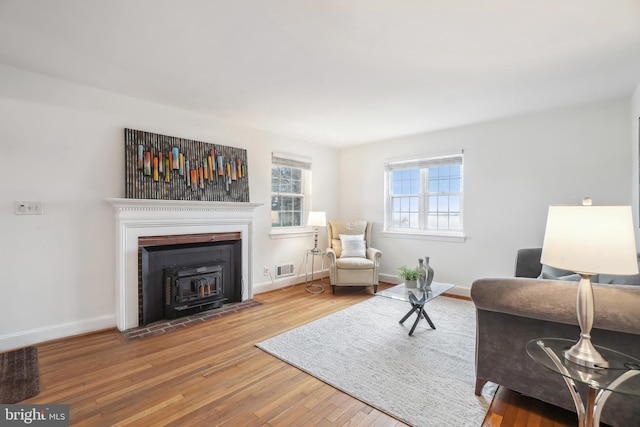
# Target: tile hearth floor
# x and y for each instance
(163, 326)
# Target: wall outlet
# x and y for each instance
(265, 271)
(27, 208)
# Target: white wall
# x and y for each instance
(63, 144)
(513, 170)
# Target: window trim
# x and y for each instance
(422, 162)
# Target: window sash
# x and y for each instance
(290, 212)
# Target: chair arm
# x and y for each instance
(374, 255)
(332, 255)
(333, 274)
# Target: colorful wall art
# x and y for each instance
(170, 168)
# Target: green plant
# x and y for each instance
(407, 273)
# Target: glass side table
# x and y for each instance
(620, 377)
(309, 286)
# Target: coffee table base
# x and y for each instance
(419, 307)
(417, 297)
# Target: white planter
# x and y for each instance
(411, 284)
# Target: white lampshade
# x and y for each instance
(317, 219)
(590, 239)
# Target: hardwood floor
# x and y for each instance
(212, 374)
(512, 409)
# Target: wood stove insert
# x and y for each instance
(180, 279)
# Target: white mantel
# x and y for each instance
(141, 217)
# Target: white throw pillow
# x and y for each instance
(353, 245)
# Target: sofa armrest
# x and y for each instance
(555, 301)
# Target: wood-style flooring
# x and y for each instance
(212, 374)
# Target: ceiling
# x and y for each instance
(335, 72)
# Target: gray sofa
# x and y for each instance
(512, 311)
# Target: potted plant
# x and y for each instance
(409, 275)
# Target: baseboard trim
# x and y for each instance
(260, 288)
(63, 330)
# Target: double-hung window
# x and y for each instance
(290, 181)
(424, 196)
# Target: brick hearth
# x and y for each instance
(164, 326)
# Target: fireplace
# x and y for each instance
(146, 220)
(187, 274)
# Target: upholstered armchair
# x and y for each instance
(352, 262)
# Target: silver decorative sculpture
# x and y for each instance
(426, 273)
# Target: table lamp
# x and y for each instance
(317, 219)
(589, 240)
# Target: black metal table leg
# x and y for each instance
(420, 313)
(406, 316)
(427, 318)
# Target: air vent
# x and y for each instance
(284, 270)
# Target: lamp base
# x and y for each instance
(583, 353)
(316, 250)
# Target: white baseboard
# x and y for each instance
(39, 335)
(388, 278)
(283, 282)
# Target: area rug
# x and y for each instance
(19, 375)
(425, 380)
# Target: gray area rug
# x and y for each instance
(19, 375)
(425, 380)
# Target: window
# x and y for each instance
(424, 196)
(290, 178)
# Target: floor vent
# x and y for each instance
(284, 270)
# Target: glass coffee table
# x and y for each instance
(417, 297)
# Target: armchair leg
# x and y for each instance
(479, 384)
(333, 289)
(375, 289)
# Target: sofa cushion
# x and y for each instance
(528, 262)
(552, 273)
(611, 279)
(569, 277)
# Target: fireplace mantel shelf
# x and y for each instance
(155, 204)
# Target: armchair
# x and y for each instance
(355, 263)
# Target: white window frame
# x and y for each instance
(303, 163)
(422, 163)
